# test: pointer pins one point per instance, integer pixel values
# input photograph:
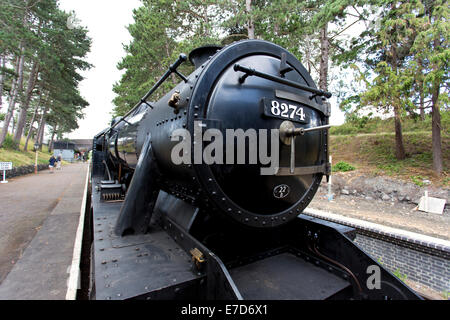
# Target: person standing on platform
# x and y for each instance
(51, 162)
(58, 162)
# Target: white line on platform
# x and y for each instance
(74, 277)
(378, 227)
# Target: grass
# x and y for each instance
(23, 158)
(375, 154)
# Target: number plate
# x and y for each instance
(285, 110)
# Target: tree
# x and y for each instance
(161, 30)
(383, 50)
(391, 88)
(45, 54)
(431, 55)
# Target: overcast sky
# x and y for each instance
(106, 21)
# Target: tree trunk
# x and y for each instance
(26, 103)
(436, 122)
(399, 147)
(324, 54)
(41, 136)
(18, 84)
(40, 133)
(421, 93)
(13, 124)
(50, 145)
(436, 136)
(308, 58)
(250, 24)
(30, 130)
(2, 79)
(13, 95)
(422, 106)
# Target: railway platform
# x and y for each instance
(39, 230)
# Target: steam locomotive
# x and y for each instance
(178, 212)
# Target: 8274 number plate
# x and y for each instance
(285, 110)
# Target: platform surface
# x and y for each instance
(39, 217)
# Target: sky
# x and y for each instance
(106, 21)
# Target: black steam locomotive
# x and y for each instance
(178, 211)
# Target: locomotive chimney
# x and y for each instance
(200, 55)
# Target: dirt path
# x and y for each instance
(25, 202)
(393, 214)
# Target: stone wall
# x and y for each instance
(22, 170)
(430, 269)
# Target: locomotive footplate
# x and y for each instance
(132, 266)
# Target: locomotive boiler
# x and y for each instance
(200, 194)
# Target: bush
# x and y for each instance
(342, 166)
(9, 142)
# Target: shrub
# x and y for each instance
(9, 142)
(343, 166)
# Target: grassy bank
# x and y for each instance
(22, 158)
(372, 149)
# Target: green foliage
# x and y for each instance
(400, 275)
(342, 166)
(163, 29)
(396, 273)
(418, 180)
(2, 116)
(9, 143)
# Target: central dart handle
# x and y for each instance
(288, 130)
(301, 131)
